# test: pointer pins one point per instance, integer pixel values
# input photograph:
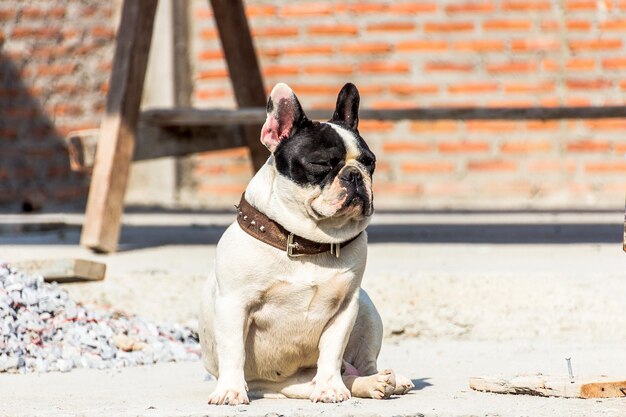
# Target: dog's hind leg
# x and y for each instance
(301, 385)
(362, 352)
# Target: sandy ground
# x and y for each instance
(461, 294)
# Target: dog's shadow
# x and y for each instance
(420, 384)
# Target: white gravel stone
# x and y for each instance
(42, 330)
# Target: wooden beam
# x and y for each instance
(254, 116)
(101, 228)
(155, 142)
(550, 386)
(182, 68)
(243, 68)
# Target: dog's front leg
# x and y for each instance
(329, 387)
(230, 322)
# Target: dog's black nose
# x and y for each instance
(351, 174)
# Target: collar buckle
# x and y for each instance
(291, 246)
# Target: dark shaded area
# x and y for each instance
(139, 237)
(420, 384)
(34, 162)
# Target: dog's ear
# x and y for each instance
(284, 116)
(347, 109)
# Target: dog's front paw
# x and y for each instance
(333, 391)
(229, 396)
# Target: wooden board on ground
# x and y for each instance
(63, 270)
(550, 386)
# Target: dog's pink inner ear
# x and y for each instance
(283, 114)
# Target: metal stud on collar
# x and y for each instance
(335, 249)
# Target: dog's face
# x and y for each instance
(324, 168)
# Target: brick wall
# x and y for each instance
(441, 53)
(54, 63)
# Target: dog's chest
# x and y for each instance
(309, 298)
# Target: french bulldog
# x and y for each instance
(299, 326)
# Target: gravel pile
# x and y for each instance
(42, 330)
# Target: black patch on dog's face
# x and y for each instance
(314, 155)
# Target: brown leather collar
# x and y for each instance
(258, 225)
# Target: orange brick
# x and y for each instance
(465, 88)
(239, 152)
(391, 27)
(510, 102)
(366, 48)
(613, 25)
(620, 147)
(534, 45)
(542, 125)
(385, 67)
(314, 89)
(421, 45)
(595, 44)
(511, 67)
(306, 9)
(333, 30)
(463, 147)
(260, 10)
(470, 7)
(614, 63)
(209, 93)
(392, 104)
(589, 146)
(276, 70)
(222, 189)
(430, 27)
(375, 126)
(576, 5)
(618, 167)
(546, 166)
(56, 69)
(270, 52)
(573, 64)
(606, 124)
(276, 31)
(412, 7)
(309, 50)
(214, 73)
(406, 146)
(430, 167)
(492, 125)
(526, 5)
(402, 189)
(507, 24)
(411, 89)
(362, 7)
(480, 45)
(203, 12)
(491, 166)
(571, 25)
(103, 32)
(208, 34)
(438, 66)
(526, 147)
(210, 55)
(523, 87)
(586, 84)
(329, 69)
(434, 126)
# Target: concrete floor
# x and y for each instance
(461, 294)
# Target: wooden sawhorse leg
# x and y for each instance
(105, 204)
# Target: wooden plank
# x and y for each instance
(101, 228)
(155, 142)
(549, 386)
(63, 270)
(182, 68)
(254, 116)
(243, 68)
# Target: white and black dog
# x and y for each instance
(286, 314)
